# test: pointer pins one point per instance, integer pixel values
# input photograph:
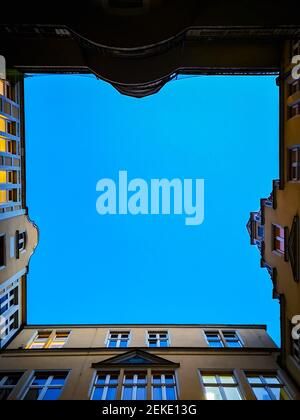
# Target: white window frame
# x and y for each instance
(219, 340)
(135, 385)
(163, 385)
(265, 385)
(12, 315)
(105, 386)
(50, 340)
(219, 384)
(118, 340)
(228, 340)
(158, 338)
(47, 386)
(222, 338)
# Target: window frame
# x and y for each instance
(219, 384)
(49, 341)
(163, 385)
(276, 238)
(158, 338)
(135, 385)
(106, 386)
(292, 165)
(47, 386)
(7, 375)
(222, 338)
(118, 340)
(265, 385)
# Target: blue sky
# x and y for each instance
(149, 269)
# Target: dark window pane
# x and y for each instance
(33, 394)
(114, 380)
(12, 380)
(101, 380)
(4, 394)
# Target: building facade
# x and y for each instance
(145, 362)
(18, 235)
(275, 228)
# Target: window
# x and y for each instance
(12, 147)
(106, 386)
(214, 339)
(12, 195)
(158, 339)
(220, 339)
(232, 340)
(46, 386)
(59, 340)
(294, 87)
(164, 387)
(294, 111)
(9, 300)
(41, 340)
(118, 340)
(49, 340)
(267, 387)
(12, 177)
(221, 387)
(278, 239)
(135, 387)
(11, 92)
(2, 251)
(21, 242)
(12, 128)
(294, 164)
(8, 381)
(9, 312)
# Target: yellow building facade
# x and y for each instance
(144, 362)
(275, 229)
(18, 235)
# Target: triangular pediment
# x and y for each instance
(135, 358)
